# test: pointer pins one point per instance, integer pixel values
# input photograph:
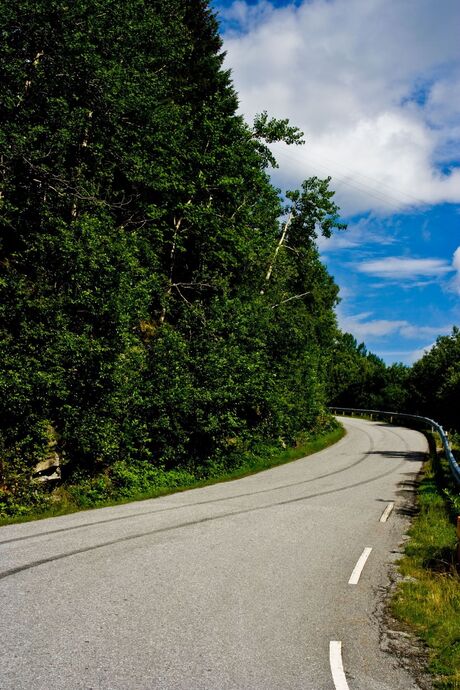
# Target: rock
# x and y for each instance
(49, 469)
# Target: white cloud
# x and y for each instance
(415, 355)
(371, 83)
(456, 266)
(401, 268)
(409, 272)
(364, 232)
(404, 284)
(245, 16)
(362, 326)
(411, 331)
(405, 356)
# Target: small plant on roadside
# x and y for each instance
(428, 599)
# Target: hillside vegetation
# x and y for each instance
(163, 310)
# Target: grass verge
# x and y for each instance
(101, 491)
(428, 599)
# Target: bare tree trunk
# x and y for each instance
(83, 145)
(280, 244)
(172, 260)
(28, 83)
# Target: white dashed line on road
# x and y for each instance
(335, 660)
(386, 512)
(356, 574)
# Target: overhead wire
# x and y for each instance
(355, 173)
(364, 188)
(379, 195)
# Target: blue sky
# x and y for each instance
(375, 86)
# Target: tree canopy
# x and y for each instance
(138, 226)
(434, 381)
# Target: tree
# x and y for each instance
(359, 378)
(434, 381)
(137, 227)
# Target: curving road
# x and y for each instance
(241, 585)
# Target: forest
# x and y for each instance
(164, 311)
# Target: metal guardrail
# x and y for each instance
(425, 421)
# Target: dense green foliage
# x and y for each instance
(435, 382)
(358, 378)
(155, 315)
(431, 387)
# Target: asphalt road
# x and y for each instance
(241, 585)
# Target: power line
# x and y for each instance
(371, 191)
(413, 198)
(360, 186)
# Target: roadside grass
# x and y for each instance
(100, 492)
(428, 599)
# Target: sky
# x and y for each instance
(375, 87)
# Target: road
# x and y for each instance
(240, 585)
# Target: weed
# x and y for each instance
(428, 600)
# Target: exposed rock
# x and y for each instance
(49, 469)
